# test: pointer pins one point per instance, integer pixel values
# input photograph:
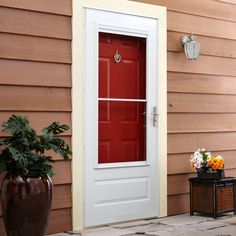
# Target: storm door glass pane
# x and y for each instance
(122, 131)
(127, 78)
(122, 98)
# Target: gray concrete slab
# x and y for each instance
(229, 230)
(181, 220)
(203, 226)
(181, 225)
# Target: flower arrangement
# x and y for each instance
(201, 160)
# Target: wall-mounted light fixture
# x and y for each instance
(191, 46)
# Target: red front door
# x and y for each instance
(122, 98)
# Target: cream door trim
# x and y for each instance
(128, 7)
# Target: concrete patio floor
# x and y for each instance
(181, 225)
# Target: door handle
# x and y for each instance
(144, 114)
(155, 115)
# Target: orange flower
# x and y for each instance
(216, 163)
(215, 166)
(210, 162)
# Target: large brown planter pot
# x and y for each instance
(26, 203)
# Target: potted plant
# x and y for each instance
(26, 193)
(207, 166)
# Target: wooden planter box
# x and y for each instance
(212, 197)
(205, 175)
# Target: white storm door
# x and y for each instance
(120, 111)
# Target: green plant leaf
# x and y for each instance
(20, 158)
(15, 124)
(24, 150)
(55, 128)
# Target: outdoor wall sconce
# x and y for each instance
(191, 47)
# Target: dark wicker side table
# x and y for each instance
(212, 197)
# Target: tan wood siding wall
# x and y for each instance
(201, 93)
(35, 65)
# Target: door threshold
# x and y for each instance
(125, 224)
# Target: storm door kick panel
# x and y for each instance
(120, 162)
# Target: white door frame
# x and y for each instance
(133, 8)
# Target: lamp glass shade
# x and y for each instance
(192, 50)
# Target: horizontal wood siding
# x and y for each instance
(34, 23)
(182, 143)
(35, 73)
(188, 123)
(204, 65)
(201, 93)
(34, 98)
(201, 103)
(34, 48)
(209, 8)
(52, 6)
(201, 83)
(178, 204)
(59, 221)
(185, 23)
(35, 65)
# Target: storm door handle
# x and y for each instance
(155, 115)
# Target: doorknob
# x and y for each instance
(155, 116)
